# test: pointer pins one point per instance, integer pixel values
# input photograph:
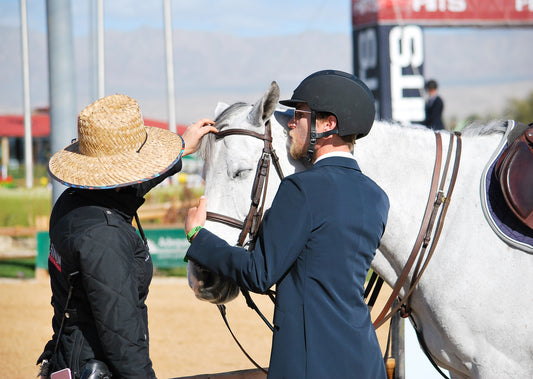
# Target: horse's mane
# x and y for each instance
(476, 128)
(480, 128)
(204, 150)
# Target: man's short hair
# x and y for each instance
(348, 138)
(431, 84)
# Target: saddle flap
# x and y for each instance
(514, 171)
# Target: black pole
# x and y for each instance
(397, 343)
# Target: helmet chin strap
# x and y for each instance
(310, 157)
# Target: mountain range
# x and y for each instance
(477, 72)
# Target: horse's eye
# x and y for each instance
(241, 173)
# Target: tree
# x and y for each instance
(520, 110)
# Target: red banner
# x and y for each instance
(442, 12)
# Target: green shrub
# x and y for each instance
(20, 206)
(18, 268)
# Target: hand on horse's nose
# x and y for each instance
(196, 215)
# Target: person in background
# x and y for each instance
(317, 240)
(100, 267)
(434, 106)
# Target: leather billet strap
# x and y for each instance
(436, 198)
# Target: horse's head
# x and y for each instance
(231, 162)
(230, 166)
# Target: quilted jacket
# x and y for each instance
(91, 233)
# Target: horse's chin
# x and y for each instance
(208, 286)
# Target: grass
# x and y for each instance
(21, 206)
(179, 271)
(23, 268)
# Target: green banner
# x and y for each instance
(167, 247)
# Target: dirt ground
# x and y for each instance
(187, 336)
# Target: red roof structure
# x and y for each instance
(13, 125)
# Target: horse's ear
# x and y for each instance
(270, 100)
(266, 106)
(221, 107)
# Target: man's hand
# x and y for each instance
(195, 132)
(196, 215)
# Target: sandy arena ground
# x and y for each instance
(187, 336)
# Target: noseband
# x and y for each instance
(251, 223)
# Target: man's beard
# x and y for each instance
(297, 151)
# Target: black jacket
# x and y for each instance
(91, 233)
(433, 109)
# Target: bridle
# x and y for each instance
(251, 223)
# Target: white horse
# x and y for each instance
(474, 303)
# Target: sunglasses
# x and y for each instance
(299, 114)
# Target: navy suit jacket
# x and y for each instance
(316, 244)
(433, 109)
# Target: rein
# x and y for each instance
(437, 197)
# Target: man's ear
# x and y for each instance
(330, 123)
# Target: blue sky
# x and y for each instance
(239, 17)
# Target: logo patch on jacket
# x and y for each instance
(54, 257)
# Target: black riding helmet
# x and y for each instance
(340, 93)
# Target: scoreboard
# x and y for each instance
(388, 38)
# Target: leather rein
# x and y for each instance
(437, 198)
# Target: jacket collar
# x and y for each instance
(124, 202)
(335, 160)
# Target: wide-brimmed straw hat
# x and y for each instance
(115, 148)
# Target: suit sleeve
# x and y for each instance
(284, 232)
(108, 277)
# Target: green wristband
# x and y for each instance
(192, 232)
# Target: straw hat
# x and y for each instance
(115, 148)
